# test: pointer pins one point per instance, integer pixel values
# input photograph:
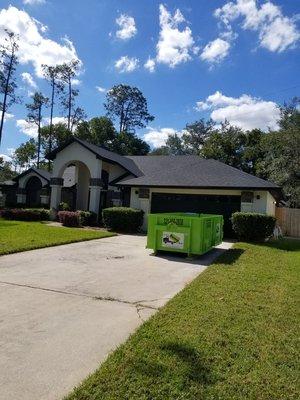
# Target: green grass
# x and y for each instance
(18, 236)
(231, 334)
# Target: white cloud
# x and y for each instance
(5, 157)
(30, 129)
(127, 27)
(150, 64)
(34, 47)
(101, 89)
(8, 116)
(215, 51)
(33, 2)
(28, 79)
(276, 31)
(127, 64)
(174, 45)
(27, 128)
(76, 82)
(158, 137)
(245, 111)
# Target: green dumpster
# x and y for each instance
(184, 232)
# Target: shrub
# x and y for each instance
(69, 218)
(87, 218)
(123, 219)
(25, 214)
(253, 227)
(63, 206)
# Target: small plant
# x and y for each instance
(69, 218)
(253, 227)
(63, 206)
(123, 219)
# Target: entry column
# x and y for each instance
(95, 193)
(56, 185)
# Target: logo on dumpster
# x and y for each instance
(174, 240)
(175, 221)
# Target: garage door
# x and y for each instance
(210, 204)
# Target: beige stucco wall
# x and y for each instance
(264, 204)
(75, 152)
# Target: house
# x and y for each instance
(95, 178)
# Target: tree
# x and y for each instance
(35, 116)
(8, 65)
(98, 130)
(253, 152)
(52, 75)
(77, 116)
(127, 106)
(281, 153)
(60, 135)
(25, 154)
(67, 73)
(6, 171)
(196, 134)
(226, 145)
(129, 144)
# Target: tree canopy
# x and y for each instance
(127, 106)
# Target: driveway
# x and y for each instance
(64, 309)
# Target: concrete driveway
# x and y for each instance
(64, 309)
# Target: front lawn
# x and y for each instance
(18, 236)
(233, 333)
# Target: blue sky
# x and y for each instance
(223, 59)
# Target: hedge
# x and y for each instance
(253, 227)
(87, 218)
(25, 214)
(69, 218)
(123, 219)
(77, 218)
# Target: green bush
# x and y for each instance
(123, 219)
(253, 227)
(87, 218)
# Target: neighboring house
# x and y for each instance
(100, 178)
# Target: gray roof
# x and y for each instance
(102, 153)
(43, 173)
(191, 172)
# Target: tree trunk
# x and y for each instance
(39, 137)
(5, 94)
(51, 121)
(69, 103)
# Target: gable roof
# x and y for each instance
(41, 172)
(191, 172)
(101, 153)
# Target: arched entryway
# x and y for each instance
(33, 192)
(75, 191)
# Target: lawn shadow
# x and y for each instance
(180, 360)
(229, 257)
(287, 244)
(196, 369)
